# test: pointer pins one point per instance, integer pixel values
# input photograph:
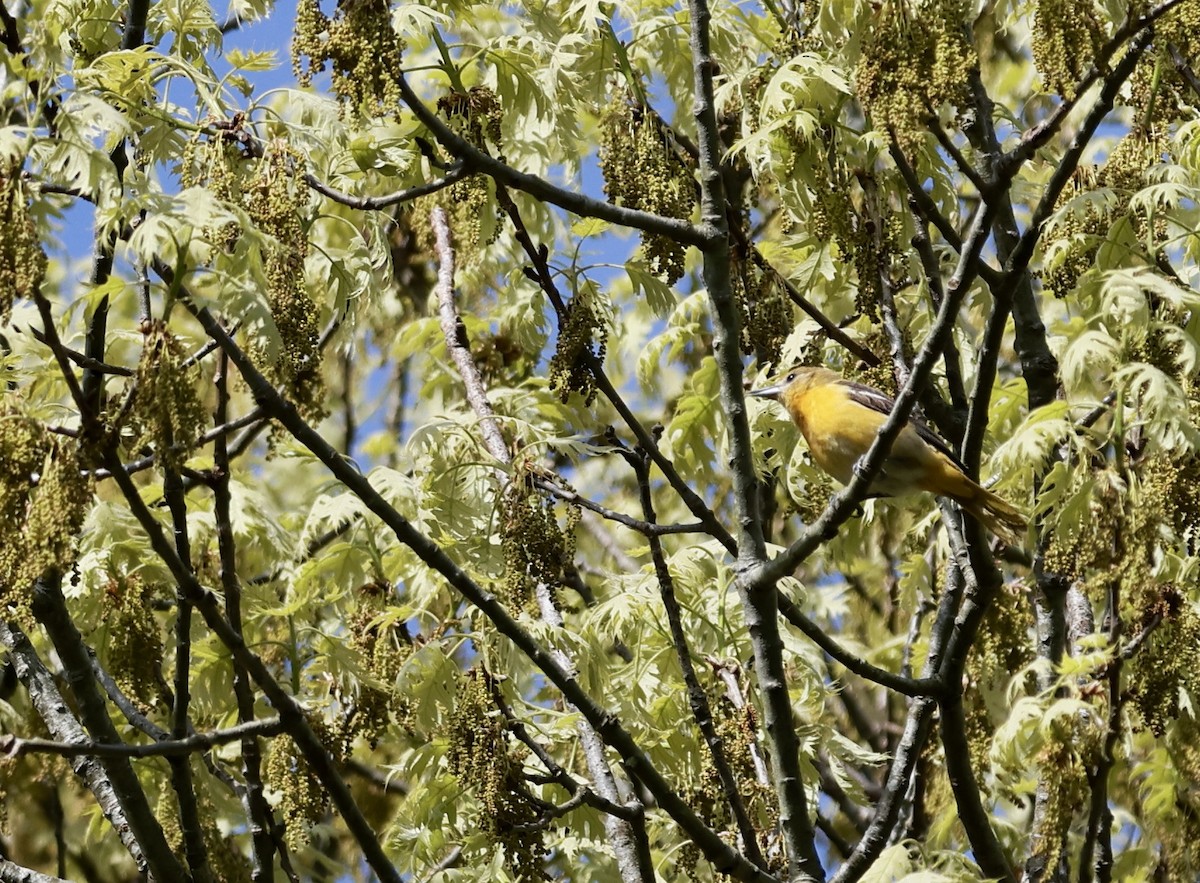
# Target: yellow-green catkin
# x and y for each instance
(644, 170)
(916, 57)
(44, 498)
(274, 199)
(133, 647)
(537, 549)
(361, 47)
(1159, 94)
(383, 647)
(475, 116)
(480, 757)
(1067, 36)
(1168, 661)
(767, 317)
(737, 729)
(582, 340)
(213, 162)
(1073, 746)
(304, 801)
(22, 259)
(167, 409)
(1002, 649)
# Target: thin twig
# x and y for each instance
(451, 860)
(374, 203)
(907, 686)
(645, 528)
(477, 160)
(15, 746)
(86, 362)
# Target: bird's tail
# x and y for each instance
(996, 514)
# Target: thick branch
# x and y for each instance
(759, 597)
(11, 872)
(258, 811)
(50, 609)
(52, 707)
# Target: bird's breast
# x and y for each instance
(839, 431)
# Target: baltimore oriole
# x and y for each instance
(840, 419)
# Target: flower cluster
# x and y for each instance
(362, 48)
(480, 757)
(22, 259)
(44, 497)
(643, 170)
(537, 549)
(916, 57)
(167, 412)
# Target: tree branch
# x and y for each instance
(908, 749)
(11, 872)
(759, 598)
(50, 609)
(539, 258)
(86, 362)
(476, 160)
(290, 712)
(53, 709)
(931, 686)
(258, 811)
(15, 746)
(697, 698)
(646, 528)
(374, 203)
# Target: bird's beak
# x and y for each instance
(767, 392)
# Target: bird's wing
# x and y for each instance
(872, 398)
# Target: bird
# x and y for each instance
(840, 419)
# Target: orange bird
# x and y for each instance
(840, 419)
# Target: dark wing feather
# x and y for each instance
(872, 398)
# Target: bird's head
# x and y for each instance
(796, 381)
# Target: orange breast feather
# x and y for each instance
(839, 431)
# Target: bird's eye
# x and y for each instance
(791, 377)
